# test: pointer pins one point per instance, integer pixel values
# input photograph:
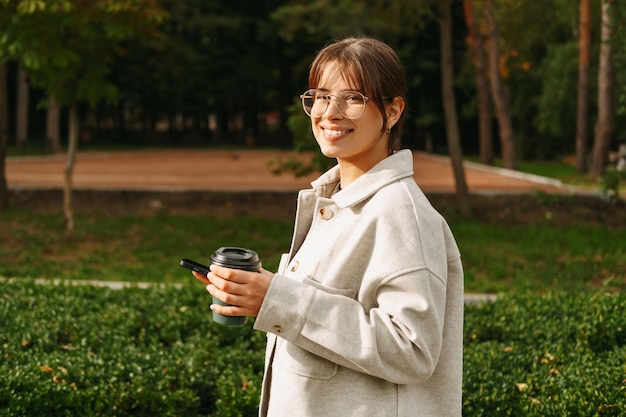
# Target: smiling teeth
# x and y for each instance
(336, 132)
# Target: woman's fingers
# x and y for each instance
(201, 277)
(244, 290)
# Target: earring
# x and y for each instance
(388, 131)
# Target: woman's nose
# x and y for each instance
(332, 111)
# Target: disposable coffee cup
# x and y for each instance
(235, 258)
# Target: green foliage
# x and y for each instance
(539, 64)
(236, 61)
(67, 46)
(90, 351)
(223, 59)
(96, 352)
(556, 110)
(330, 19)
(611, 181)
(549, 355)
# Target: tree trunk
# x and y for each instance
(53, 121)
(447, 87)
(482, 84)
(604, 126)
(499, 92)
(21, 123)
(74, 128)
(582, 114)
(4, 136)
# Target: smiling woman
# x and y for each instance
(364, 315)
(362, 125)
(356, 134)
(386, 82)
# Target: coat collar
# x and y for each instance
(393, 168)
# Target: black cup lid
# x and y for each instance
(238, 258)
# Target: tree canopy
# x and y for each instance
(67, 46)
(224, 72)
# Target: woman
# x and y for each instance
(365, 315)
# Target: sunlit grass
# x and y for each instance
(129, 248)
(541, 257)
(496, 258)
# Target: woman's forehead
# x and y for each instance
(332, 76)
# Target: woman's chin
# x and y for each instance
(328, 150)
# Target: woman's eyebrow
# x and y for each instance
(326, 90)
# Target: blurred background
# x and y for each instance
(229, 73)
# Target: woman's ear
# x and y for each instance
(394, 110)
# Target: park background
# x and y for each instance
(525, 75)
(142, 74)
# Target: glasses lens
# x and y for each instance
(315, 103)
(351, 104)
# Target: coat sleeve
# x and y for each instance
(399, 340)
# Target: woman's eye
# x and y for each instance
(353, 97)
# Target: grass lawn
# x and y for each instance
(546, 246)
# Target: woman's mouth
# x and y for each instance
(336, 133)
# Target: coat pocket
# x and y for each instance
(300, 361)
(304, 363)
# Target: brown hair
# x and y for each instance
(373, 68)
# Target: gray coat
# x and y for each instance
(365, 315)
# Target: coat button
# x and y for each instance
(278, 329)
(326, 213)
(294, 266)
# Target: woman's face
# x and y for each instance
(360, 142)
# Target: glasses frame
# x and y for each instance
(334, 96)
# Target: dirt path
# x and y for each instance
(236, 171)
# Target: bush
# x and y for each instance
(549, 355)
(611, 183)
(83, 350)
(90, 351)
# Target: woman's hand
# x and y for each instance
(243, 290)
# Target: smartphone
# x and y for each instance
(194, 266)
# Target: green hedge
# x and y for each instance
(90, 351)
(549, 355)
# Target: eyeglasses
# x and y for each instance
(350, 104)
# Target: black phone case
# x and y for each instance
(194, 266)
